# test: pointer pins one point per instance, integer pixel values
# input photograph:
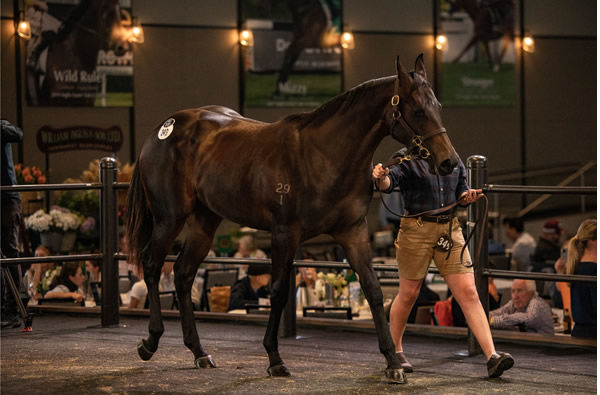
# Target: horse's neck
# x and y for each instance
(350, 137)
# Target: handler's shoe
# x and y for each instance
(498, 363)
(405, 365)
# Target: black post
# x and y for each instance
(477, 178)
(110, 270)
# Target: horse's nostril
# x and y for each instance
(446, 167)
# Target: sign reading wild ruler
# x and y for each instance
(79, 53)
(79, 137)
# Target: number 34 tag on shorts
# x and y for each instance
(444, 243)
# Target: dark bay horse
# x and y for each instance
(301, 176)
(492, 20)
(70, 74)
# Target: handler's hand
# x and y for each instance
(379, 172)
(470, 196)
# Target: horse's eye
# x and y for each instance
(420, 113)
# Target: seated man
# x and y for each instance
(526, 310)
(250, 288)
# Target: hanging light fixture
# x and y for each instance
(528, 43)
(23, 27)
(441, 42)
(347, 39)
(136, 34)
(246, 38)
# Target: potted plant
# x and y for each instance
(58, 229)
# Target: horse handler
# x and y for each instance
(435, 234)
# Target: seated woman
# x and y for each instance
(34, 274)
(135, 298)
(68, 284)
(93, 269)
(582, 259)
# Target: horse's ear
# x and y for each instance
(420, 67)
(403, 77)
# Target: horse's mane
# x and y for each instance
(344, 100)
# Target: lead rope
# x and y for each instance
(479, 222)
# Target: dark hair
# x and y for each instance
(95, 263)
(68, 269)
(514, 222)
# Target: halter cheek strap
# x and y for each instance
(397, 117)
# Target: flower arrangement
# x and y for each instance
(59, 219)
(29, 174)
(336, 281)
(47, 278)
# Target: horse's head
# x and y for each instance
(416, 119)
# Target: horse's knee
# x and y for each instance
(374, 295)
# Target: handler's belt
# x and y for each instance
(438, 219)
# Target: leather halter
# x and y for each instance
(418, 139)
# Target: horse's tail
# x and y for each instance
(139, 219)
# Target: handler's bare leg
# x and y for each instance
(464, 291)
(408, 291)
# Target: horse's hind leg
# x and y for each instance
(197, 245)
(164, 232)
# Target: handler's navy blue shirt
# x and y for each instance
(423, 191)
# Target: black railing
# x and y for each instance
(477, 178)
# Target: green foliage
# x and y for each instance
(85, 202)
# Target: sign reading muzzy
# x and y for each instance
(51, 140)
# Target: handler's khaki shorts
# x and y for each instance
(415, 249)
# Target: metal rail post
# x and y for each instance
(109, 222)
(477, 178)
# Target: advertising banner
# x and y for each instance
(295, 60)
(78, 54)
(478, 64)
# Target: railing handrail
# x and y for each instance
(533, 189)
(51, 187)
(546, 171)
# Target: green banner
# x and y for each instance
(478, 56)
(474, 84)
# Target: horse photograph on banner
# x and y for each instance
(295, 59)
(478, 63)
(78, 54)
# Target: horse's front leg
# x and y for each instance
(283, 248)
(358, 250)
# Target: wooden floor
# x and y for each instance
(73, 354)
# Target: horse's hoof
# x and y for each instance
(278, 371)
(396, 375)
(144, 353)
(205, 362)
